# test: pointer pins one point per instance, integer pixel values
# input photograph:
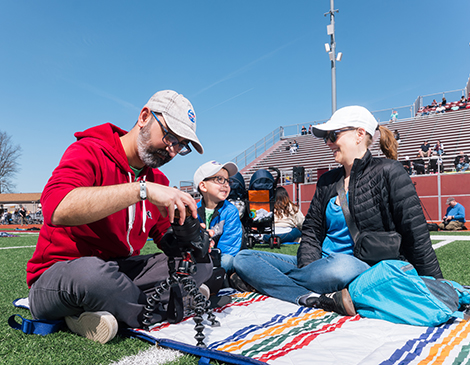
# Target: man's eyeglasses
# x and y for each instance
(218, 179)
(333, 135)
(172, 141)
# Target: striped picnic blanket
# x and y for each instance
(276, 332)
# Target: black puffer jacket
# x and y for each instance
(381, 198)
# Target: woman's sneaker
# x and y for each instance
(97, 326)
(339, 302)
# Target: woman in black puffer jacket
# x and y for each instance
(381, 198)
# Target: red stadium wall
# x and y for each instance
(428, 187)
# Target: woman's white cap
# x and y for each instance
(349, 116)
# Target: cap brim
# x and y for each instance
(321, 130)
(319, 133)
(231, 168)
(183, 131)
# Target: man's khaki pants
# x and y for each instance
(451, 226)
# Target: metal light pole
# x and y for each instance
(331, 50)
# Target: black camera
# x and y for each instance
(188, 237)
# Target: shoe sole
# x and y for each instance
(348, 303)
(96, 326)
(204, 290)
(237, 283)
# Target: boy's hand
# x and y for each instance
(211, 234)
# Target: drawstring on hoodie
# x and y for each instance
(144, 211)
(131, 212)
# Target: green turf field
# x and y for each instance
(67, 348)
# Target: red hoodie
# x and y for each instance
(96, 159)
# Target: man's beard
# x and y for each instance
(151, 156)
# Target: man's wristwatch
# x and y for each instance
(143, 190)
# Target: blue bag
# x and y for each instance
(392, 290)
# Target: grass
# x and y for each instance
(65, 347)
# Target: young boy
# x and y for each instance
(218, 214)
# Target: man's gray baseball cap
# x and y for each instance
(179, 115)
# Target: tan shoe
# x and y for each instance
(97, 326)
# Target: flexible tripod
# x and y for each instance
(182, 276)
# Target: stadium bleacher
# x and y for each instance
(451, 128)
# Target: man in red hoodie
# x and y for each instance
(102, 202)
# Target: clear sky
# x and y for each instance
(248, 67)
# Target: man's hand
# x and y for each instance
(165, 198)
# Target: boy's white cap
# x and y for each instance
(211, 168)
(349, 116)
(179, 115)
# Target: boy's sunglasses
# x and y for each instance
(333, 135)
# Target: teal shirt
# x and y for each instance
(338, 238)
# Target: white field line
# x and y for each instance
(23, 232)
(447, 239)
(9, 248)
(153, 356)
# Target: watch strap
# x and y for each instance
(143, 190)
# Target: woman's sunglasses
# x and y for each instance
(333, 135)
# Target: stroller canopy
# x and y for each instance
(262, 180)
(237, 187)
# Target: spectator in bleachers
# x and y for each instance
(303, 131)
(440, 109)
(396, 134)
(407, 165)
(294, 147)
(425, 150)
(439, 148)
(435, 163)
(434, 103)
(418, 165)
(461, 162)
(310, 129)
(444, 101)
(462, 103)
(394, 116)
